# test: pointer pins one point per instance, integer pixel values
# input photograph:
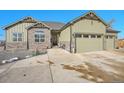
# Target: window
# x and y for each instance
(39, 36)
(17, 36)
(93, 36)
(78, 35)
(85, 36)
(98, 36)
(110, 37)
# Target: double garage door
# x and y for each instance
(88, 44)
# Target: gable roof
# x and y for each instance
(38, 25)
(54, 25)
(89, 15)
(50, 24)
(110, 30)
(122, 39)
(26, 19)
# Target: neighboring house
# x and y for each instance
(31, 34)
(120, 43)
(87, 33)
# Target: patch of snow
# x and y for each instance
(4, 61)
(13, 59)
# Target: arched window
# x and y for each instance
(39, 36)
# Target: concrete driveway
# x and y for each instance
(60, 66)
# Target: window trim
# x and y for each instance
(17, 37)
(40, 36)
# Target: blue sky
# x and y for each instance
(10, 16)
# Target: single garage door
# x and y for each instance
(110, 43)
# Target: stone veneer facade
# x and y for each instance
(32, 45)
(16, 45)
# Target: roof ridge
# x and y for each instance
(38, 23)
(83, 15)
(19, 20)
(54, 22)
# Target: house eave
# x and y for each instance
(81, 17)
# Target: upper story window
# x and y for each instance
(17, 36)
(39, 36)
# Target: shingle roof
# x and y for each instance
(54, 25)
(26, 19)
(51, 24)
(38, 24)
(110, 30)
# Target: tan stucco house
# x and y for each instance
(32, 34)
(85, 33)
(120, 43)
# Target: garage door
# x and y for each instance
(110, 43)
(89, 44)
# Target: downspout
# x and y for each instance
(75, 49)
(114, 42)
(27, 41)
(70, 38)
(103, 41)
(5, 40)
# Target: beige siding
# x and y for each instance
(65, 35)
(64, 39)
(86, 26)
(89, 26)
(17, 28)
